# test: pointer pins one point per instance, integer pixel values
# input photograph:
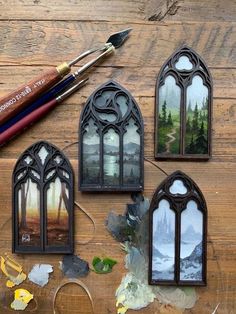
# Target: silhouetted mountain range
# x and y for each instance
(130, 147)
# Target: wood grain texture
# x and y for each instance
(37, 34)
(119, 10)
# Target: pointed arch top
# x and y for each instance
(183, 107)
(111, 107)
(43, 201)
(178, 233)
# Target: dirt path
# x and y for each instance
(171, 140)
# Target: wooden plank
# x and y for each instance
(117, 10)
(54, 128)
(50, 43)
(217, 182)
(224, 79)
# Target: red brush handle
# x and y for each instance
(11, 104)
(26, 121)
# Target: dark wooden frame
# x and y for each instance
(91, 111)
(178, 204)
(43, 184)
(183, 80)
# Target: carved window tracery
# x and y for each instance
(43, 201)
(183, 108)
(178, 231)
(111, 141)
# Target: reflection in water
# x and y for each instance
(111, 146)
(131, 154)
(91, 157)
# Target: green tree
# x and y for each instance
(190, 149)
(169, 120)
(201, 142)
(189, 110)
(188, 125)
(164, 114)
(195, 119)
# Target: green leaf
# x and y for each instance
(103, 266)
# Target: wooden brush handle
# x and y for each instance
(11, 104)
(19, 126)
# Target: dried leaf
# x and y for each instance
(73, 266)
(103, 266)
(40, 274)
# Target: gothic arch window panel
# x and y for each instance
(183, 108)
(43, 201)
(178, 231)
(111, 141)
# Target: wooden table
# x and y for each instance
(35, 35)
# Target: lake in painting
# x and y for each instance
(91, 154)
(131, 154)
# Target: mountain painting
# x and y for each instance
(191, 243)
(29, 214)
(163, 250)
(57, 214)
(196, 137)
(91, 154)
(131, 154)
(169, 117)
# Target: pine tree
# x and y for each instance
(188, 125)
(201, 142)
(190, 149)
(189, 110)
(160, 120)
(195, 119)
(169, 120)
(164, 115)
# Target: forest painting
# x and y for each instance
(163, 249)
(191, 243)
(57, 214)
(196, 136)
(91, 154)
(111, 162)
(131, 154)
(169, 117)
(29, 214)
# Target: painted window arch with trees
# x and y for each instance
(183, 108)
(43, 201)
(111, 141)
(178, 233)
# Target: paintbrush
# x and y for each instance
(37, 114)
(16, 101)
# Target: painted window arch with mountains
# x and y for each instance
(111, 141)
(178, 231)
(43, 201)
(183, 108)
